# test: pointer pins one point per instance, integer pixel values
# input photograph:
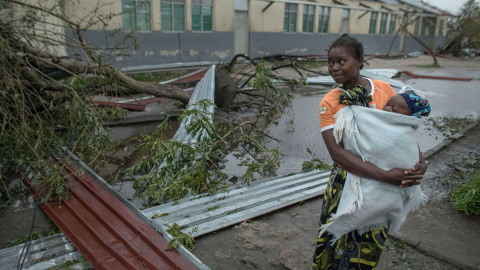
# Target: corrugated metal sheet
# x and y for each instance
(418, 4)
(205, 89)
(189, 78)
(44, 253)
(105, 230)
(378, 74)
(200, 214)
(370, 73)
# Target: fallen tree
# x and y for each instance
(46, 99)
(46, 96)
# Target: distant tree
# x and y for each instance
(464, 30)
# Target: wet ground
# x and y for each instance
(285, 239)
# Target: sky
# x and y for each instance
(453, 6)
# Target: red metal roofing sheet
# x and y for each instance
(104, 230)
(411, 74)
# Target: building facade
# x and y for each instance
(211, 31)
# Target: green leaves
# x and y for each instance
(179, 238)
(314, 163)
(189, 169)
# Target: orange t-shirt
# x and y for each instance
(330, 105)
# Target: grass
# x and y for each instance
(466, 197)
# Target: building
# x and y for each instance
(211, 31)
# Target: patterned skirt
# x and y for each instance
(351, 251)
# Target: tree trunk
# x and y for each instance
(225, 88)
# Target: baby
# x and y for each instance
(408, 104)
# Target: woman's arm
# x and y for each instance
(354, 164)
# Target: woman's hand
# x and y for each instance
(410, 177)
(403, 178)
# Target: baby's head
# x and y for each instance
(408, 104)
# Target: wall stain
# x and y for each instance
(169, 53)
(296, 50)
(220, 54)
(193, 52)
(261, 52)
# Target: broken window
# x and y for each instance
(373, 23)
(136, 15)
(323, 19)
(290, 20)
(391, 27)
(383, 23)
(308, 18)
(173, 15)
(202, 14)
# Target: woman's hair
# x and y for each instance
(351, 44)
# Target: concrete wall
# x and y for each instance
(156, 47)
(268, 21)
(223, 15)
(266, 44)
(83, 11)
(266, 35)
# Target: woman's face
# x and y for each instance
(344, 67)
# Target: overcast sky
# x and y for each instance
(452, 6)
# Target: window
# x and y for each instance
(383, 23)
(202, 13)
(173, 15)
(323, 19)
(345, 21)
(416, 29)
(393, 21)
(308, 18)
(373, 23)
(290, 21)
(440, 28)
(136, 15)
(424, 26)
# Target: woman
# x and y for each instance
(353, 251)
